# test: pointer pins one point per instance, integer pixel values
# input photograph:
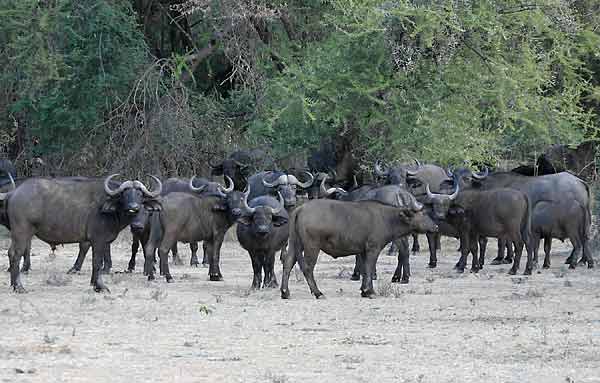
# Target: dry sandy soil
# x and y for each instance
(442, 327)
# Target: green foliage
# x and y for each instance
(443, 81)
(70, 62)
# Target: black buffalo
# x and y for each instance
(263, 230)
(560, 207)
(240, 164)
(346, 228)
(74, 211)
(187, 217)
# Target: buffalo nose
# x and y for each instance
(262, 229)
(133, 208)
(236, 212)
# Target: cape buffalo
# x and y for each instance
(71, 211)
(346, 228)
(566, 211)
(188, 217)
(263, 230)
(240, 164)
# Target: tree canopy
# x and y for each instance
(162, 86)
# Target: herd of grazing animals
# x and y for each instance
(332, 216)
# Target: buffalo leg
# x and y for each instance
(356, 273)
(26, 260)
(432, 241)
(547, 249)
(500, 256)
(256, 269)
(288, 264)
(107, 261)
(510, 253)
(310, 260)
(163, 258)
(393, 250)
(176, 258)
(482, 248)
(586, 252)
(214, 271)
(269, 268)
(474, 249)
(369, 261)
(15, 252)
(194, 250)
(283, 252)
(205, 255)
(83, 250)
(402, 272)
(135, 245)
(99, 249)
(517, 258)
(415, 246)
(465, 248)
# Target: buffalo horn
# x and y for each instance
(145, 190)
(411, 173)
(417, 162)
(3, 196)
(306, 184)
(281, 179)
(430, 195)
(118, 190)
(330, 191)
(455, 194)
(196, 189)
(230, 188)
(281, 202)
(481, 176)
(245, 206)
(416, 205)
(449, 172)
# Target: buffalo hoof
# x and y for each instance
(527, 271)
(319, 295)
(568, 260)
(396, 279)
(25, 270)
(416, 249)
(151, 277)
(285, 294)
(355, 277)
(581, 261)
(19, 289)
(215, 277)
(507, 261)
(460, 270)
(590, 265)
(169, 279)
(432, 265)
(128, 271)
(404, 281)
(512, 272)
(546, 265)
(367, 294)
(73, 270)
(572, 266)
(194, 264)
(497, 261)
(474, 270)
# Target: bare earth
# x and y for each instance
(442, 327)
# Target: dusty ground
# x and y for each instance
(442, 327)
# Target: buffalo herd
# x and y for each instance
(298, 213)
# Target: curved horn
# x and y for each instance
(306, 184)
(355, 185)
(455, 194)
(107, 188)
(330, 191)
(481, 176)
(4, 196)
(195, 189)
(416, 205)
(281, 202)
(231, 185)
(411, 173)
(145, 190)
(430, 195)
(272, 185)
(417, 162)
(245, 206)
(449, 172)
(379, 172)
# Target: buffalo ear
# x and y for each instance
(219, 206)
(153, 205)
(217, 170)
(244, 220)
(110, 206)
(279, 220)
